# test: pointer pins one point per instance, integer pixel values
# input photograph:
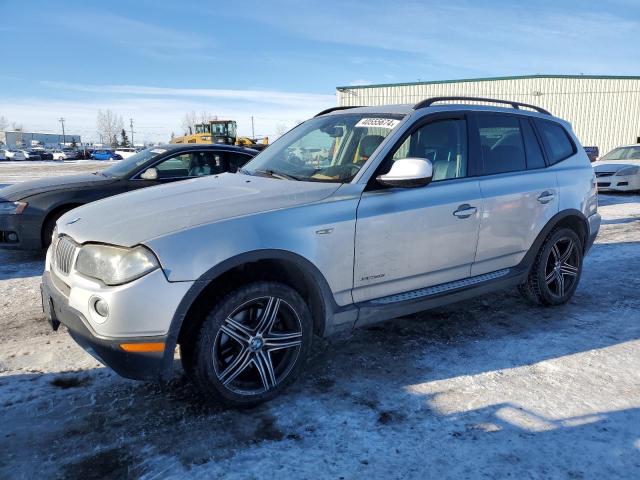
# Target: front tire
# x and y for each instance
(556, 272)
(252, 344)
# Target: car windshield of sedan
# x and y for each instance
(330, 148)
(130, 165)
(623, 153)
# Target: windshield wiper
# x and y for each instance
(274, 174)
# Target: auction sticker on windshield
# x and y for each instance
(389, 123)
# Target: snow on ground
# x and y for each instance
(488, 388)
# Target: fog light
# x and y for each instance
(101, 307)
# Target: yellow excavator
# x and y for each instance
(220, 131)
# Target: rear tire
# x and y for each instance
(556, 271)
(252, 344)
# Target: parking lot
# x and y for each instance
(488, 388)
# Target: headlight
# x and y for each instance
(12, 208)
(115, 265)
(628, 171)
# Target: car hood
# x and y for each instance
(23, 190)
(613, 165)
(139, 216)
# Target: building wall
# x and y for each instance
(13, 139)
(604, 111)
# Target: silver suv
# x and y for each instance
(356, 216)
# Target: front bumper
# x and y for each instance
(25, 226)
(618, 183)
(134, 365)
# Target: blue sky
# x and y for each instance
(280, 61)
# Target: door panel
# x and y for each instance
(515, 211)
(410, 238)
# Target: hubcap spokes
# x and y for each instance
(562, 267)
(257, 345)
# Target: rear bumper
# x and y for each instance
(108, 351)
(594, 227)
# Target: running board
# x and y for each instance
(438, 289)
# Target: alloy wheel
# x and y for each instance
(257, 345)
(562, 267)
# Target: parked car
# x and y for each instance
(593, 153)
(619, 170)
(31, 154)
(59, 155)
(13, 154)
(3, 154)
(45, 154)
(105, 154)
(126, 152)
(29, 210)
(408, 208)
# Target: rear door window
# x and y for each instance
(502, 143)
(556, 140)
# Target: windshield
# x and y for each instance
(623, 153)
(331, 148)
(130, 165)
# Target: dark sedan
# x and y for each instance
(29, 210)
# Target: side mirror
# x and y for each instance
(408, 173)
(150, 174)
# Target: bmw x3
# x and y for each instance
(356, 216)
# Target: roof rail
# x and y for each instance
(430, 101)
(333, 109)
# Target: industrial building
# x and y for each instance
(18, 139)
(604, 110)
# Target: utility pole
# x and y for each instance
(253, 132)
(131, 125)
(64, 138)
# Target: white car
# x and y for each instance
(126, 152)
(59, 155)
(13, 154)
(619, 170)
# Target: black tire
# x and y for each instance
(556, 271)
(244, 353)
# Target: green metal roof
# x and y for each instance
(490, 79)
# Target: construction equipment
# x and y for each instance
(220, 131)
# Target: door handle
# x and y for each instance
(465, 211)
(546, 197)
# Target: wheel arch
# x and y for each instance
(58, 210)
(278, 265)
(571, 218)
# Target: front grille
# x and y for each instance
(604, 184)
(604, 174)
(64, 254)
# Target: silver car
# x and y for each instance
(356, 216)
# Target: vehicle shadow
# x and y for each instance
(616, 198)
(18, 264)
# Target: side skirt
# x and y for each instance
(386, 308)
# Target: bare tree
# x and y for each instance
(17, 127)
(108, 125)
(191, 118)
(281, 129)
(4, 123)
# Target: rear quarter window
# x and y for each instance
(556, 141)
